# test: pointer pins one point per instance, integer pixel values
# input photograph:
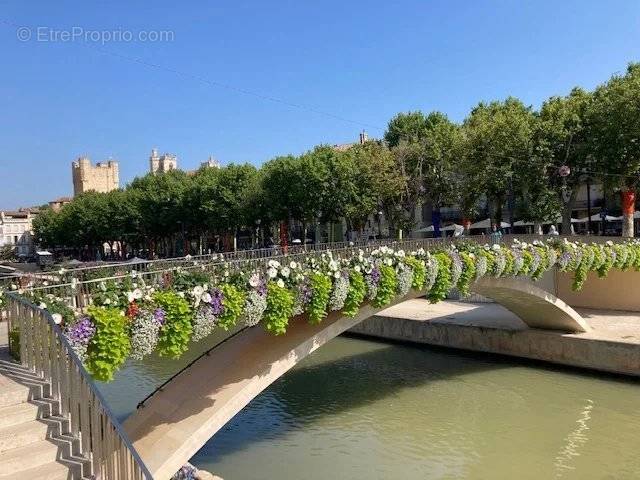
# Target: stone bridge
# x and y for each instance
(177, 421)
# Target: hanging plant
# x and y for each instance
(177, 329)
(280, 302)
(386, 287)
(320, 293)
(356, 294)
(443, 282)
(233, 301)
(109, 345)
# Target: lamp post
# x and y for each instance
(563, 172)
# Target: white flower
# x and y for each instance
(57, 318)
(273, 263)
(181, 294)
(198, 291)
(333, 265)
(388, 261)
(42, 305)
(357, 268)
(272, 272)
(280, 283)
(130, 297)
(45, 283)
(206, 297)
(336, 275)
(285, 272)
(495, 247)
(254, 280)
(107, 301)
(293, 265)
(609, 243)
(14, 286)
(472, 256)
(187, 258)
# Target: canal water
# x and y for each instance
(357, 409)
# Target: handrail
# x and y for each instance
(100, 437)
(336, 248)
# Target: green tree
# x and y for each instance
(407, 127)
(615, 137)
(499, 140)
(562, 139)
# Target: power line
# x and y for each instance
(216, 83)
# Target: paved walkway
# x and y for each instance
(613, 344)
(618, 326)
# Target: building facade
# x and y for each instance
(162, 163)
(16, 231)
(103, 177)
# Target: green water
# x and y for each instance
(358, 409)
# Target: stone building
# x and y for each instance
(342, 147)
(104, 177)
(210, 163)
(58, 203)
(162, 163)
(15, 231)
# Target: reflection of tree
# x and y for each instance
(323, 385)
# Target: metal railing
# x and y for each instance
(76, 289)
(99, 438)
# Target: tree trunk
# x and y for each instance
(567, 209)
(497, 220)
(628, 209)
(537, 228)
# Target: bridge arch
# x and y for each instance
(176, 422)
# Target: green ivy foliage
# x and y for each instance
(419, 272)
(176, 331)
(468, 273)
(606, 265)
(443, 281)
(386, 287)
(356, 294)
(509, 265)
(110, 346)
(280, 303)
(233, 303)
(491, 261)
(321, 292)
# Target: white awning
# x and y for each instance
(486, 223)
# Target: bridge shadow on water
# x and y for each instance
(346, 374)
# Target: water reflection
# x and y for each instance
(357, 409)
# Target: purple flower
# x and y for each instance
(262, 287)
(159, 316)
(375, 275)
(305, 293)
(217, 298)
(82, 331)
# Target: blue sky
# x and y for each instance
(360, 60)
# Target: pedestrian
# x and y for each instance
(496, 234)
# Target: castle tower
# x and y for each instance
(162, 163)
(104, 177)
(154, 161)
